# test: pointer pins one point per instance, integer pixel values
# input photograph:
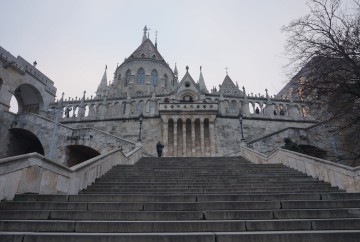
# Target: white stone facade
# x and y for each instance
(181, 113)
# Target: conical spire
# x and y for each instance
(202, 85)
(176, 71)
(101, 90)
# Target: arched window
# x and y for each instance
(154, 78)
(127, 78)
(139, 107)
(165, 80)
(233, 107)
(140, 76)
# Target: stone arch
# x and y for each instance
(29, 99)
(23, 141)
(75, 154)
(140, 107)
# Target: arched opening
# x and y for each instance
(28, 98)
(76, 154)
(86, 111)
(14, 106)
(251, 108)
(22, 141)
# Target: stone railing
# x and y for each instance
(344, 177)
(105, 139)
(33, 173)
(190, 107)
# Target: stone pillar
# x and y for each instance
(193, 148)
(212, 139)
(175, 139)
(165, 138)
(184, 138)
(202, 137)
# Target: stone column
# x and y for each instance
(193, 148)
(165, 137)
(184, 138)
(202, 137)
(212, 139)
(175, 139)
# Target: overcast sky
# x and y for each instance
(73, 40)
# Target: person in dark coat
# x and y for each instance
(159, 148)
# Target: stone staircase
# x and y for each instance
(188, 199)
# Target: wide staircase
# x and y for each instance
(188, 199)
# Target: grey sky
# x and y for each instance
(73, 40)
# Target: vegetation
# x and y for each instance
(324, 49)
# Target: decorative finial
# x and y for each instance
(156, 32)
(35, 63)
(105, 67)
(200, 68)
(62, 96)
(187, 68)
(226, 68)
(266, 90)
(145, 32)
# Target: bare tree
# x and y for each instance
(324, 49)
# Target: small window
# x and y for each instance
(127, 78)
(165, 80)
(141, 76)
(187, 84)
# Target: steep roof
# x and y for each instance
(229, 88)
(146, 50)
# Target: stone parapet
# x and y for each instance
(344, 177)
(34, 173)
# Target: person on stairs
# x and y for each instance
(159, 148)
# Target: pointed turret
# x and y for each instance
(176, 71)
(202, 85)
(101, 90)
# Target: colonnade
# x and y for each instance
(186, 137)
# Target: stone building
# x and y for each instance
(180, 112)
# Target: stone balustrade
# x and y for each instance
(34, 173)
(344, 177)
(188, 107)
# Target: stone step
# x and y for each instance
(279, 236)
(177, 206)
(175, 215)
(177, 226)
(187, 197)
